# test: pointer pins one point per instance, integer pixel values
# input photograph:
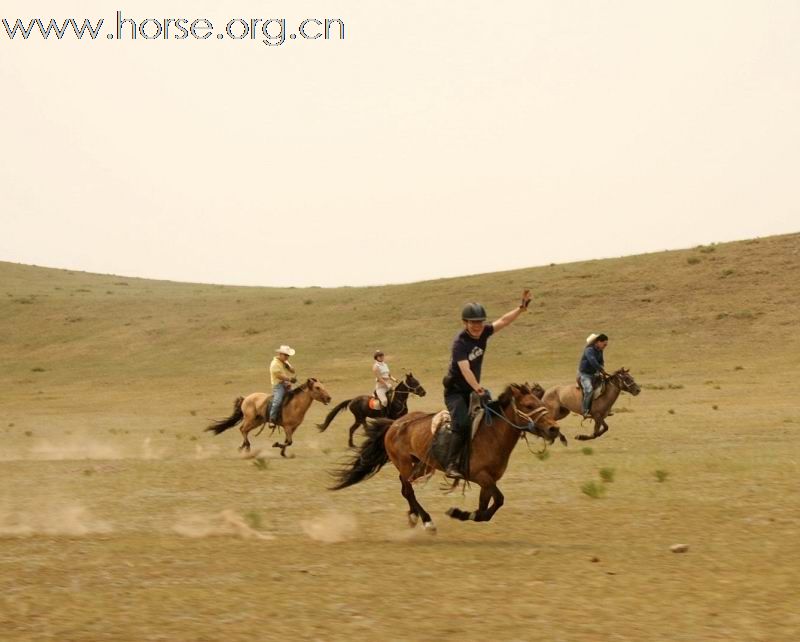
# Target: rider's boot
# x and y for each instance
(453, 469)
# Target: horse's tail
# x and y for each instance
(368, 459)
(223, 424)
(333, 414)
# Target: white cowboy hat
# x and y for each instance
(591, 338)
(285, 350)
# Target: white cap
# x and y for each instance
(591, 338)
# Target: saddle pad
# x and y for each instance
(439, 419)
(442, 419)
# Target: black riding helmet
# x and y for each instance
(473, 312)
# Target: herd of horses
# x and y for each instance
(405, 438)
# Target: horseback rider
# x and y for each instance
(464, 374)
(281, 374)
(383, 378)
(591, 365)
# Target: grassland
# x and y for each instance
(121, 520)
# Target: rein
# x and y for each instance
(531, 417)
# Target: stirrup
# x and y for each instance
(452, 472)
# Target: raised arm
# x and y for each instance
(511, 316)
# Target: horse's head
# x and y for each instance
(625, 381)
(522, 405)
(414, 386)
(318, 392)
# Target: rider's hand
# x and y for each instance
(293, 380)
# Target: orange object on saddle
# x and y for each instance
(375, 404)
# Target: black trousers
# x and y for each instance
(457, 403)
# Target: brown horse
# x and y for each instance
(407, 442)
(560, 400)
(254, 410)
(359, 406)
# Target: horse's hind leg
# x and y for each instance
(415, 508)
(353, 429)
(244, 429)
(408, 493)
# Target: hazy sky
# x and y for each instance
(436, 139)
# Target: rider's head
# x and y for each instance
(378, 356)
(284, 352)
(601, 342)
(474, 316)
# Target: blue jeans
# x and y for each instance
(587, 383)
(278, 393)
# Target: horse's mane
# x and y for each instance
(295, 391)
(524, 388)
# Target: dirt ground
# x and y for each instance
(145, 535)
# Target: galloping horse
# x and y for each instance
(254, 410)
(560, 400)
(407, 442)
(359, 406)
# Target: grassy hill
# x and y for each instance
(76, 341)
(121, 520)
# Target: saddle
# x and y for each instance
(375, 403)
(598, 386)
(442, 431)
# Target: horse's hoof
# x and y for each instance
(413, 519)
(430, 527)
(276, 445)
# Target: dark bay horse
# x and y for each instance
(253, 411)
(407, 442)
(359, 406)
(560, 400)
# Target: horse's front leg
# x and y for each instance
(283, 446)
(484, 513)
(595, 434)
(603, 428)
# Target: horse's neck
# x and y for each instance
(610, 395)
(301, 401)
(506, 433)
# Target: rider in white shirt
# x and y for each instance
(383, 379)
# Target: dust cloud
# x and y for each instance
(331, 528)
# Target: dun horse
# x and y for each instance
(407, 443)
(359, 406)
(253, 411)
(560, 400)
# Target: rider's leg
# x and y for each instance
(381, 392)
(586, 386)
(278, 392)
(458, 407)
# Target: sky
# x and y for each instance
(435, 139)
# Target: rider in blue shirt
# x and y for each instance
(591, 364)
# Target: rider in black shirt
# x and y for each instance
(464, 374)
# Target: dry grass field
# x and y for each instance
(120, 519)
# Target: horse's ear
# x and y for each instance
(505, 398)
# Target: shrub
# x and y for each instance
(661, 475)
(260, 463)
(693, 260)
(671, 411)
(593, 490)
(37, 369)
(543, 456)
(586, 450)
(607, 475)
